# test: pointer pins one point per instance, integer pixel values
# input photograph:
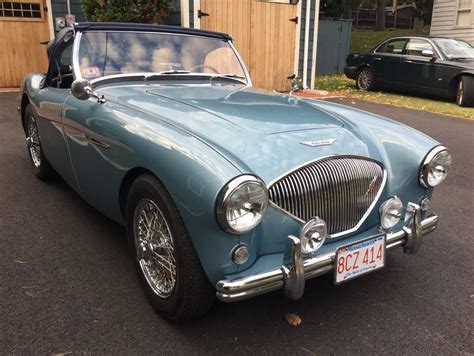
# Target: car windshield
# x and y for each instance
(454, 49)
(103, 54)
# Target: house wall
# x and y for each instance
(443, 22)
(60, 9)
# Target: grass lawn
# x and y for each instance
(365, 40)
(339, 85)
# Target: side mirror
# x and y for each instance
(82, 89)
(427, 53)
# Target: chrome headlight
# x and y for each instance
(390, 212)
(435, 167)
(241, 204)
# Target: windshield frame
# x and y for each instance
(96, 81)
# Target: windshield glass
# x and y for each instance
(454, 49)
(110, 53)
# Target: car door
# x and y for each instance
(49, 113)
(95, 142)
(386, 61)
(418, 71)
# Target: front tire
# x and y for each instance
(41, 167)
(465, 91)
(365, 79)
(167, 265)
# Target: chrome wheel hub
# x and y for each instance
(33, 142)
(155, 248)
(364, 79)
(460, 92)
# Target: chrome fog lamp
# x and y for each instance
(313, 234)
(240, 254)
(435, 167)
(242, 204)
(390, 212)
(425, 204)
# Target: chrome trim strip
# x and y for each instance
(242, 63)
(231, 290)
(75, 56)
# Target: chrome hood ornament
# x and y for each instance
(326, 142)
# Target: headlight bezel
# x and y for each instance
(384, 210)
(225, 195)
(425, 166)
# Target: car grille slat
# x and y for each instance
(339, 189)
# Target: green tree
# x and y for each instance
(142, 11)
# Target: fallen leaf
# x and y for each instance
(20, 262)
(293, 319)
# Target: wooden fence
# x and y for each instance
(367, 18)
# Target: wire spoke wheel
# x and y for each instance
(155, 248)
(33, 141)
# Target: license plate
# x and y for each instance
(359, 258)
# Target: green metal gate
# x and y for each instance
(333, 46)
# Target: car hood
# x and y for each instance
(263, 133)
(466, 64)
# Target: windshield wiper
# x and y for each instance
(233, 76)
(174, 71)
(461, 58)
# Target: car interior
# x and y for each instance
(60, 65)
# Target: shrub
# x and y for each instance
(142, 11)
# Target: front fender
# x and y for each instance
(192, 172)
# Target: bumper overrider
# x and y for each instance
(292, 278)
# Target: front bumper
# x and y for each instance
(292, 278)
(350, 72)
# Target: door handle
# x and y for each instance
(377, 59)
(407, 61)
(97, 142)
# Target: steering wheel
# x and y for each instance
(204, 66)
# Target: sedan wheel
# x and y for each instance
(41, 166)
(365, 79)
(465, 91)
(167, 264)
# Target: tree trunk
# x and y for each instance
(347, 12)
(380, 24)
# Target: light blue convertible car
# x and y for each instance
(226, 191)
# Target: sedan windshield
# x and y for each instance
(454, 49)
(103, 54)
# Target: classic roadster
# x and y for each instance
(431, 65)
(225, 191)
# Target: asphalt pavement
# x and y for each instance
(67, 284)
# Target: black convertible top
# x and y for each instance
(122, 26)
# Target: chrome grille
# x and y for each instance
(339, 189)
